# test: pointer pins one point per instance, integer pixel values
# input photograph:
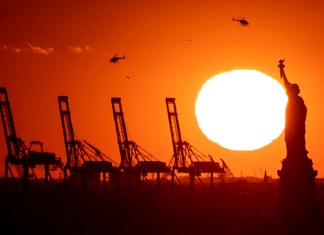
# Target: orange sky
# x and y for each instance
(52, 48)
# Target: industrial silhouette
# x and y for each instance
(186, 159)
(136, 163)
(84, 161)
(86, 165)
(142, 195)
(20, 159)
(297, 203)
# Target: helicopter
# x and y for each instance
(242, 21)
(115, 58)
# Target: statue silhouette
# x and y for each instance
(297, 205)
(295, 118)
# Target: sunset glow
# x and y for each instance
(161, 117)
(241, 109)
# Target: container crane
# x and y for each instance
(83, 159)
(134, 159)
(21, 157)
(187, 159)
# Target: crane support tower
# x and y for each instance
(19, 156)
(187, 159)
(134, 159)
(83, 160)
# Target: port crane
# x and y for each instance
(135, 161)
(83, 159)
(186, 158)
(21, 157)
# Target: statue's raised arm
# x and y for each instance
(282, 74)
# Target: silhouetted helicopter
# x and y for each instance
(242, 21)
(115, 58)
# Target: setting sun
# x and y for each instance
(241, 109)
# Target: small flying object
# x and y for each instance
(115, 58)
(242, 21)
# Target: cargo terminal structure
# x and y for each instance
(86, 165)
(21, 160)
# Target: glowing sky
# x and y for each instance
(57, 47)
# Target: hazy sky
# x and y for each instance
(56, 47)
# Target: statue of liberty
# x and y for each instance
(295, 118)
(297, 193)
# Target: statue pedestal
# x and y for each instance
(297, 192)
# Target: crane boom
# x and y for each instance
(82, 158)
(123, 142)
(177, 143)
(68, 134)
(19, 155)
(133, 158)
(186, 158)
(228, 173)
(16, 148)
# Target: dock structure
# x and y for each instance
(21, 160)
(186, 158)
(84, 161)
(135, 161)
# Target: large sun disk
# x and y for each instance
(241, 109)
